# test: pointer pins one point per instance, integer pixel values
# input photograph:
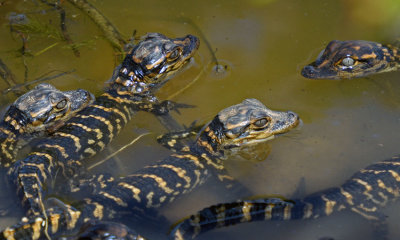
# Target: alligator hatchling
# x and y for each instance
(143, 70)
(353, 59)
(41, 110)
(365, 193)
(249, 122)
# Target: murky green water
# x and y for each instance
(347, 124)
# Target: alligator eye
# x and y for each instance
(261, 122)
(348, 61)
(174, 54)
(61, 104)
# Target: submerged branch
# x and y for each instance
(6, 74)
(110, 31)
(203, 37)
(64, 31)
(16, 87)
(63, 26)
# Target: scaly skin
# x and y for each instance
(39, 111)
(143, 70)
(365, 193)
(159, 184)
(247, 123)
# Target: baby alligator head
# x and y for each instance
(247, 123)
(352, 59)
(45, 108)
(153, 60)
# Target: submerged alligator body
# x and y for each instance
(365, 193)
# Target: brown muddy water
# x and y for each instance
(348, 124)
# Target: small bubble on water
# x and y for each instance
(221, 70)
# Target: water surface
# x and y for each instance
(348, 124)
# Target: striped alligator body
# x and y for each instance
(39, 111)
(146, 68)
(365, 193)
(353, 59)
(64, 219)
(156, 185)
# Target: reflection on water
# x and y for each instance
(263, 45)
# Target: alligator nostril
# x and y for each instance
(293, 115)
(308, 71)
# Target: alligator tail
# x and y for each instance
(268, 209)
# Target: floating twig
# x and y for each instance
(118, 151)
(46, 49)
(181, 90)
